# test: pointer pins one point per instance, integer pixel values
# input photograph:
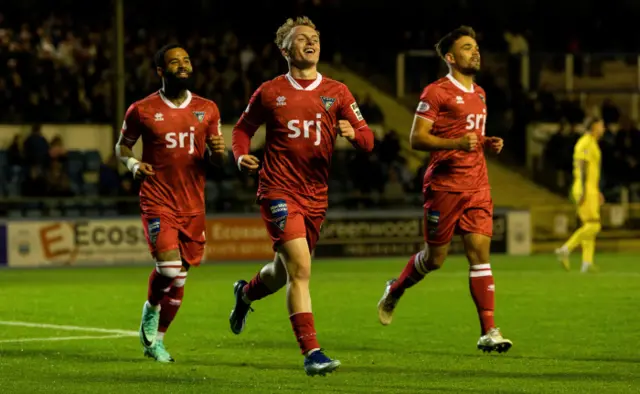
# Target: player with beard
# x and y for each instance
(181, 134)
(305, 113)
(450, 123)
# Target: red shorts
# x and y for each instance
(448, 213)
(166, 232)
(288, 217)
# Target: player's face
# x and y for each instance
(178, 69)
(304, 49)
(466, 55)
(597, 129)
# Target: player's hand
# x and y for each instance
(602, 199)
(144, 170)
(249, 164)
(495, 144)
(216, 144)
(346, 130)
(469, 142)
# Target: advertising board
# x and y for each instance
(54, 243)
(238, 238)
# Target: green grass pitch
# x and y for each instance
(572, 333)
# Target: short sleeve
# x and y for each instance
(131, 126)
(429, 105)
(350, 111)
(255, 113)
(215, 122)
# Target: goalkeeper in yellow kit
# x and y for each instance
(586, 194)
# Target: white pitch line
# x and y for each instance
(68, 328)
(63, 338)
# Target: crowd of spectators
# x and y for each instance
(51, 72)
(56, 70)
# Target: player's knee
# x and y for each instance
(433, 263)
(299, 272)
(170, 268)
(477, 248)
(593, 228)
(180, 280)
(475, 257)
(168, 255)
(297, 259)
(434, 257)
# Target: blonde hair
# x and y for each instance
(284, 31)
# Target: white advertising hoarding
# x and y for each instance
(76, 242)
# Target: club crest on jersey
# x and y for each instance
(482, 98)
(327, 102)
(199, 115)
(279, 213)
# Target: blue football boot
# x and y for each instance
(317, 363)
(238, 316)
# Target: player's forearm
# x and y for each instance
(364, 139)
(124, 153)
(429, 142)
(241, 142)
(126, 156)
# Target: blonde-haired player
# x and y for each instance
(586, 195)
(304, 113)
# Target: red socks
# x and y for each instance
(481, 285)
(256, 289)
(170, 305)
(413, 273)
(483, 293)
(168, 292)
(305, 331)
(302, 323)
(157, 286)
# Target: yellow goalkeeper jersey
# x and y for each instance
(586, 150)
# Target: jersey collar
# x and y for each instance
(297, 86)
(459, 85)
(184, 104)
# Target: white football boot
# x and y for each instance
(493, 340)
(386, 305)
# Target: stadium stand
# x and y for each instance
(57, 71)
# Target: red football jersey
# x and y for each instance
(301, 132)
(174, 143)
(455, 111)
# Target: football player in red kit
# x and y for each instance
(181, 133)
(450, 123)
(304, 113)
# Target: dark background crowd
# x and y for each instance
(57, 67)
